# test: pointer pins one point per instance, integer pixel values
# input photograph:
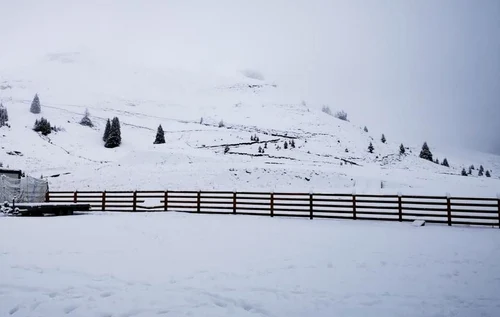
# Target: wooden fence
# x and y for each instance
(432, 209)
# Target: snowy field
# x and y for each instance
(167, 264)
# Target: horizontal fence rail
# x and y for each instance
(432, 209)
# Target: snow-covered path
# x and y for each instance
(166, 264)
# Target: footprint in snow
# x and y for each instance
(14, 310)
(68, 309)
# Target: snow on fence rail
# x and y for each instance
(433, 209)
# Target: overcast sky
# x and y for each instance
(426, 69)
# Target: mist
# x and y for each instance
(422, 70)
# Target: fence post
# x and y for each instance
(354, 206)
(498, 202)
(400, 207)
(103, 201)
(75, 197)
(234, 202)
(47, 196)
(198, 201)
(134, 201)
(310, 206)
(448, 205)
(272, 204)
(165, 201)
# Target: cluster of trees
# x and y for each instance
(254, 138)
(43, 126)
(4, 116)
(112, 136)
(481, 171)
(342, 115)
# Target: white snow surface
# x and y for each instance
(170, 264)
(193, 157)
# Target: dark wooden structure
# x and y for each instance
(57, 209)
(433, 209)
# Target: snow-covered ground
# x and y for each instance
(168, 264)
(193, 156)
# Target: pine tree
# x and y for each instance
(160, 136)
(464, 172)
(366, 129)
(292, 144)
(285, 145)
(42, 126)
(488, 174)
(35, 105)
(481, 169)
(402, 149)
(107, 130)
(472, 167)
(436, 161)
(261, 150)
(383, 139)
(481, 172)
(470, 171)
(370, 148)
(445, 163)
(221, 124)
(252, 138)
(201, 120)
(115, 138)
(426, 152)
(256, 138)
(265, 145)
(4, 116)
(86, 119)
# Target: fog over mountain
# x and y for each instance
(428, 70)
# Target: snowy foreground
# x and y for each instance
(205, 265)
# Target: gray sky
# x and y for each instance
(425, 69)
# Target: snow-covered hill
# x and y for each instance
(193, 156)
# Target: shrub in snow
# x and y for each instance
(226, 149)
(221, 124)
(426, 152)
(464, 172)
(370, 148)
(365, 129)
(342, 115)
(445, 163)
(160, 136)
(42, 126)
(4, 116)
(285, 145)
(480, 173)
(346, 150)
(114, 138)
(326, 110)
(383, 139)
(35, 105)
(488, 174)
(86, 119)
(107, 130)
(265, 145)
(470, 171)
(261, 150)
(402, 149)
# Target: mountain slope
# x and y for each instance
(193, 156)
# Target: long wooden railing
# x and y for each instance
(432, 209)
